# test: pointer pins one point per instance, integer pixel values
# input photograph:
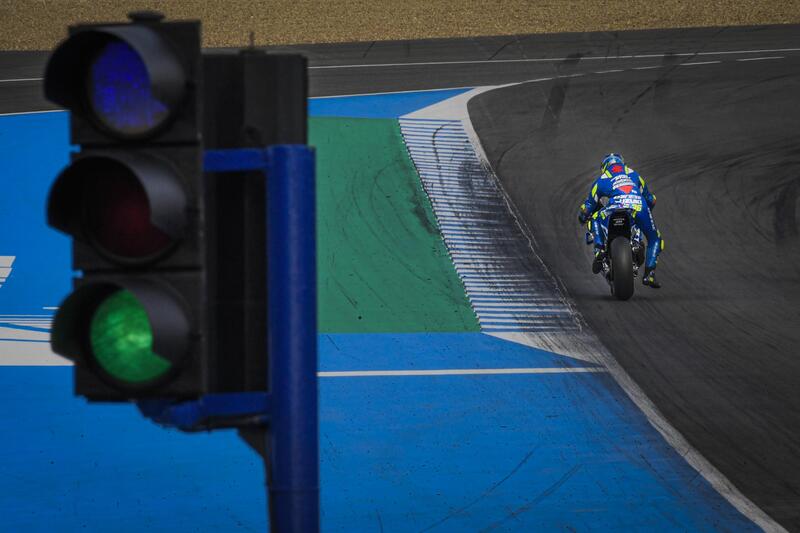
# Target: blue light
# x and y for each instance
(119, 91)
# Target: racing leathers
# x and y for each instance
(623, 187)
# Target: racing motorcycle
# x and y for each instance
(625, 252)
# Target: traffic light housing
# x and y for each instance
(170, 306)
(172, 260)
(132, 200)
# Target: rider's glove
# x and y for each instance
(582, 216)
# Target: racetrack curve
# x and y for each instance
(716, 348)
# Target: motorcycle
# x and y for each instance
(625, 252)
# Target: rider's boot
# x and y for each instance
(649, 278)
(597, 263)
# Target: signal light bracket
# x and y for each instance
(212, 411)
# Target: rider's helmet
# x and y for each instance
(611, 159)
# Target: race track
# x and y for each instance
(716, 348)
(710, 117)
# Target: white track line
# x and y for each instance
(459, 372)
(760, 58)
(32, 112)
(15, 80)
(551, 59)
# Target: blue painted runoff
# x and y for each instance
(534, 452)
(448, 350)
(33, 150)
(389, 105)
(541, 452)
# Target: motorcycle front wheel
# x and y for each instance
(621, 268)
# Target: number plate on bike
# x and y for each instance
(628, 201)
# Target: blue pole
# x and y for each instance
(291, 247)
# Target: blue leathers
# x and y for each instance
(623, 187)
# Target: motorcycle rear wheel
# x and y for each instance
(621, 268)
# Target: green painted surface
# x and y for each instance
(383, 266)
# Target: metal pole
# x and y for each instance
(293, 468)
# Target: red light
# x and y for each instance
(118, 216)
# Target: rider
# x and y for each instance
(623, 186)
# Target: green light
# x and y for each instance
(122, 341)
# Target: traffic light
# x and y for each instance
(178, 237)
(132, 200)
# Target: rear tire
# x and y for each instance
(621, 268)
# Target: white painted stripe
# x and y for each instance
(23, 334)
(467, 239)
(417, 138)
(488, 235)
(483, 263)
(413, 125)
(448, 188)
(501, 285)
(535, 313)
(444, 157)
(436, 132)
(32, 112)
(433, 125)
(456, 183)
(454, 142)
(459, 372)
(455, 231)
(40, 315)
(486, 200)
(17, 80)
(503, 303)
(458, 168)
(388, 92)
(512, 308)
(439, 153)
(543, 317)
(760, 58)
(646, 68)
(698, 63)
(497, 276)
(466, 218)
(452, 190)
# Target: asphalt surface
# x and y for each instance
(715, 349)
(383, 66)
